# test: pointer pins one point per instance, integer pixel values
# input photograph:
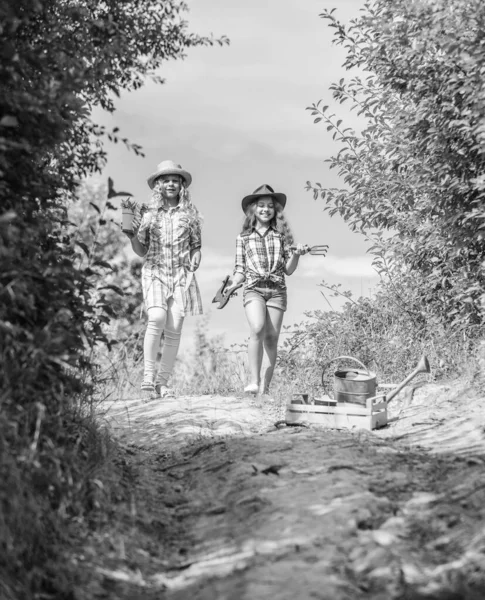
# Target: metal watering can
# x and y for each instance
(356, 386)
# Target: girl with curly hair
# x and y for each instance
(168, 235)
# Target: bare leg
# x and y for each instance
(274, 319)
(256, 316)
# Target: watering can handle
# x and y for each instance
(339, 358)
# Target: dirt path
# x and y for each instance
(221, 504)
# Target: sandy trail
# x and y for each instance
(221, 504)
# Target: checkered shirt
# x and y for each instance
(262, 257)
(169, 236)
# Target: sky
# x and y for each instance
(235, 118)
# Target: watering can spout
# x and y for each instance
(423, 367)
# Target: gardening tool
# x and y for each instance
(356, 386)
(316, 250)
(220, 297)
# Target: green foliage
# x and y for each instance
(59, 59)
(382, 332)
(97, 229)
(415, 173)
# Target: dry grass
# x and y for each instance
(212, 368)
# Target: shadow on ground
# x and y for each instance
(222, 504)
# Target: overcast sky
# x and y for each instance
(235, 117)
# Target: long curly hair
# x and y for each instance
(278, 222)
(185, 202)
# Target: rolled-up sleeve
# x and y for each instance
(138, 211)
(137, 215)
(240, 265)
(287, 250)
(144, 231)
(195, 241)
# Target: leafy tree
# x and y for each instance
(415, 174)
(59, 58)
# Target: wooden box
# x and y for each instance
(338, 415)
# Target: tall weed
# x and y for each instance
(388, 333)
(386, 336)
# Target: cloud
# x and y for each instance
(235, 117)
(214, 266)
(224, 100)
(348, 266)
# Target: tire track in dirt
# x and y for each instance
(298, 512)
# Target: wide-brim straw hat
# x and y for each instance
(263, 190)
(168, 167)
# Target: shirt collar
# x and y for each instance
(169, 208)
(270, 228)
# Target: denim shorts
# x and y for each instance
(267, 294)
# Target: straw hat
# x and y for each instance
(263, 190)
(168, 167)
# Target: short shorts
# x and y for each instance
(267, 294)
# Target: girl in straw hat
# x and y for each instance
(263, 258)
(168, 235)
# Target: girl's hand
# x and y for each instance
(228, 290)
(195, 261)
(131, 234)
(301, 249)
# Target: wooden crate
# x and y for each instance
(339, 415)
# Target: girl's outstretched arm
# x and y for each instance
(138, 247)
(292, 262)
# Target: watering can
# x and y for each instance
(356, 386)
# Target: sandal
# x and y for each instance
(252, 388)
(149, 392)
(164, 391)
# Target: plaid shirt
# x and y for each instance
(169, 236)
(262, 257)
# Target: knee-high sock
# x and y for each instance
(171, 341)
(157, 318)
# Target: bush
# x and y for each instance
(59, 59)
(414, 176)
(388, 333)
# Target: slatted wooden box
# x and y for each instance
(338, 415)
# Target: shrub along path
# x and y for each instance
(219, 503)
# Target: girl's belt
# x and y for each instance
(267, 283)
